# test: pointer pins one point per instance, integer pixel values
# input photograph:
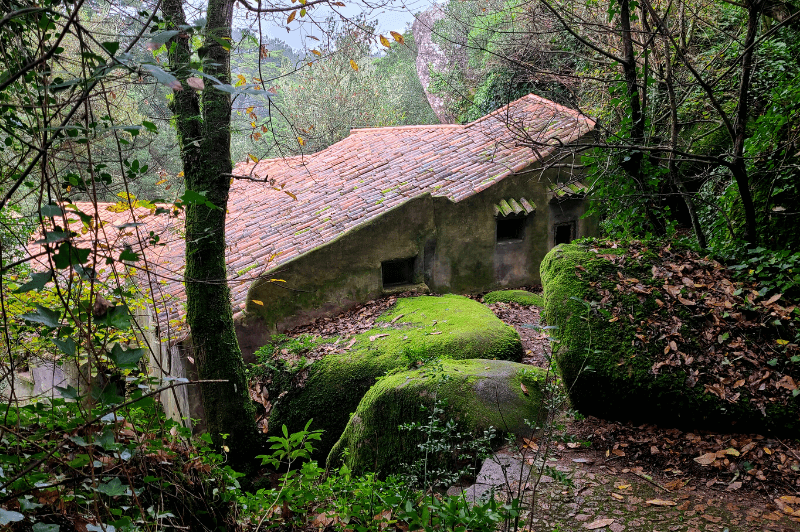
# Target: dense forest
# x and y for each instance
(148, 106)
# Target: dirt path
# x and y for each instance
(616, 476)
(580, 491)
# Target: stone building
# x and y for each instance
(441, 208)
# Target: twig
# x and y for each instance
(649, 479)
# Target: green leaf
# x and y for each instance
(51, 210)
(118, 317)
(7, 517)
(68, 255)
(77, 440)
(68, 393)
(164, 78)
(107, 395)
(66, 346)
(151, 127)
(125, 359)
(197, 198)
(164, 36)
(45, 316)
(80, 460)
(42, 527)
(28, 504)
(37, 282)
(128, 255)
(110, 46)
(112, 488)
(225, 44)
(106, 441)
(55, 236)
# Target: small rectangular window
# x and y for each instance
(398, 272)
(510, 229)
(564, 233)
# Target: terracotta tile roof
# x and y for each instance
(374, 170)
(309, 200)
(159, 269)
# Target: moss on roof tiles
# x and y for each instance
(529, 206)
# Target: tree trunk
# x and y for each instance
(672, 165)
(204, 135)
(739, 167)
(633, 166)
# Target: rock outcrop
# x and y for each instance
(640, 339)
(476, 395)
(430, 57)
(415, 331)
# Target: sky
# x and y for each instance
(391, 15)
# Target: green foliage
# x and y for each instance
(291, 448)
(498, 50)
(489, 45)
(70, 474)
(773, 141)
(339, 499)
(320, 98)
(445, 454)
(774, 272)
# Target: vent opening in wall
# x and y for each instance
(398, 272)
(509, 229)
(564, 233)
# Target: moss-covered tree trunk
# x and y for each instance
(203, 124)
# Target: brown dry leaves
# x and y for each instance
(734, 351)
(726, 462)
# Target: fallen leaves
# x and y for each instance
(734, 327)
(730, 462)
(600, 523)
(195, 83)
(661, 502)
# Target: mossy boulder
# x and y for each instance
(415, 329)
(521, 297)
(477, 394)
(608, 362)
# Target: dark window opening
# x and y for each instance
(398, 272)
(510, 229)
(565, 233)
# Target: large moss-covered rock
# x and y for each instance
(415, 329)
(477, 394)
(610, 363)
(521, 297)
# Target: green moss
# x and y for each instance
(608, 370)
(521, 297)
(478, 394)
(418, 328)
